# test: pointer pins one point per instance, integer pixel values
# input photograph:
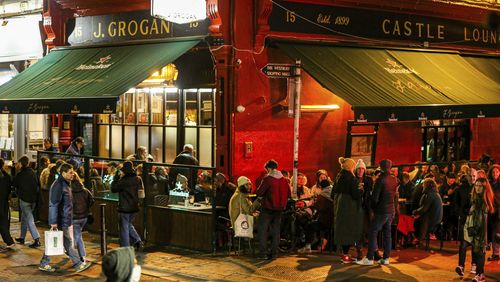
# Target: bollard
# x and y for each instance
(104, 245)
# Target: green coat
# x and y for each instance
(348, 210)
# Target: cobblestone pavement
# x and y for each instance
(161, 263)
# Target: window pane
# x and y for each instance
(104, 141)
(142, 136)
(103, 118)
(116, 146)
(205, 148)
(171, 106)
(190, 137)
(118, 117)
(170, 144)
(129, 108)
(206, 108)
(157, 143)
(142, 101)
(191, 100)
(129, 140)
(157, 105)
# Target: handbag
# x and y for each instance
(54, 243)
(243, 225)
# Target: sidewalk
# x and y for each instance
(170, 264)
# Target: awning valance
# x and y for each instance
(399, 85)
(86, 80)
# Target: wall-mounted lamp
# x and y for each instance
(5, 22)
(318, 108)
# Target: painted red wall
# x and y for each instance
(399, 142)
(485, 138)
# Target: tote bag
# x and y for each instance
(243, 225)
(54, 243)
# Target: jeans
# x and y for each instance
(27, 220)
(68, 247)
(127, 230)
(380, 222)
(269, 220)
(78, 225)
(462, 249)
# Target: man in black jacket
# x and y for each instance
(186, 157)
(26, 184)
(129, 186)
(384, 200)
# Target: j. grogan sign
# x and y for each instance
(366, 24)
(138, 25)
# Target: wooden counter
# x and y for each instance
(180, 227)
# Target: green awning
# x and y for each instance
(86, 80)
(398, 85)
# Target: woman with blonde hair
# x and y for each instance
(348, 211)
(476, 223)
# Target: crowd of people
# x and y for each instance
(346, 212)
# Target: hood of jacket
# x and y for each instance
(275, 173)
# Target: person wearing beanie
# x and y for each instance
(367, 183)
(128, 188)
(241, 199)
(119, 265)
(348, 212)
(383, 201)
(321, 175)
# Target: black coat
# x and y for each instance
(186, 158)
(431, 208)
(385, 194)
(461, 198)
(128, 188)
(5, 189)
(26, 185)
(82, 200)
(406, 190)
(224, 193)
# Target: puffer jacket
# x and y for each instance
(128, 188)
(384, 197)
(82, 200)
(61, 203)
(274, 191)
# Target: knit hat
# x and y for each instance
(117, 265)
(128, 167)
(347, 163)
(385, 165)
(243, 180)
(360, 164)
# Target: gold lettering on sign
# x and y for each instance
(483, 35)
(384, 26)
(144, 30)
(121, 28)
(323, 19)
(98, 33)
(132, 27)
(417, 29)
(440, 33)
(154, 26)
(112, 29)
(407, 27)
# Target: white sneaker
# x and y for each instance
(383, 261)
(365, 261)
(473, 269)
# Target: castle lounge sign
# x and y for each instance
(362, 24)
(131, 26)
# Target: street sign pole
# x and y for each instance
(296, 119)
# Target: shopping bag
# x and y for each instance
(54, 243)
(243, 226)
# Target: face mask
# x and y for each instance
(136, 274)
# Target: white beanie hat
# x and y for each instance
(360, 164)
(243, 180)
